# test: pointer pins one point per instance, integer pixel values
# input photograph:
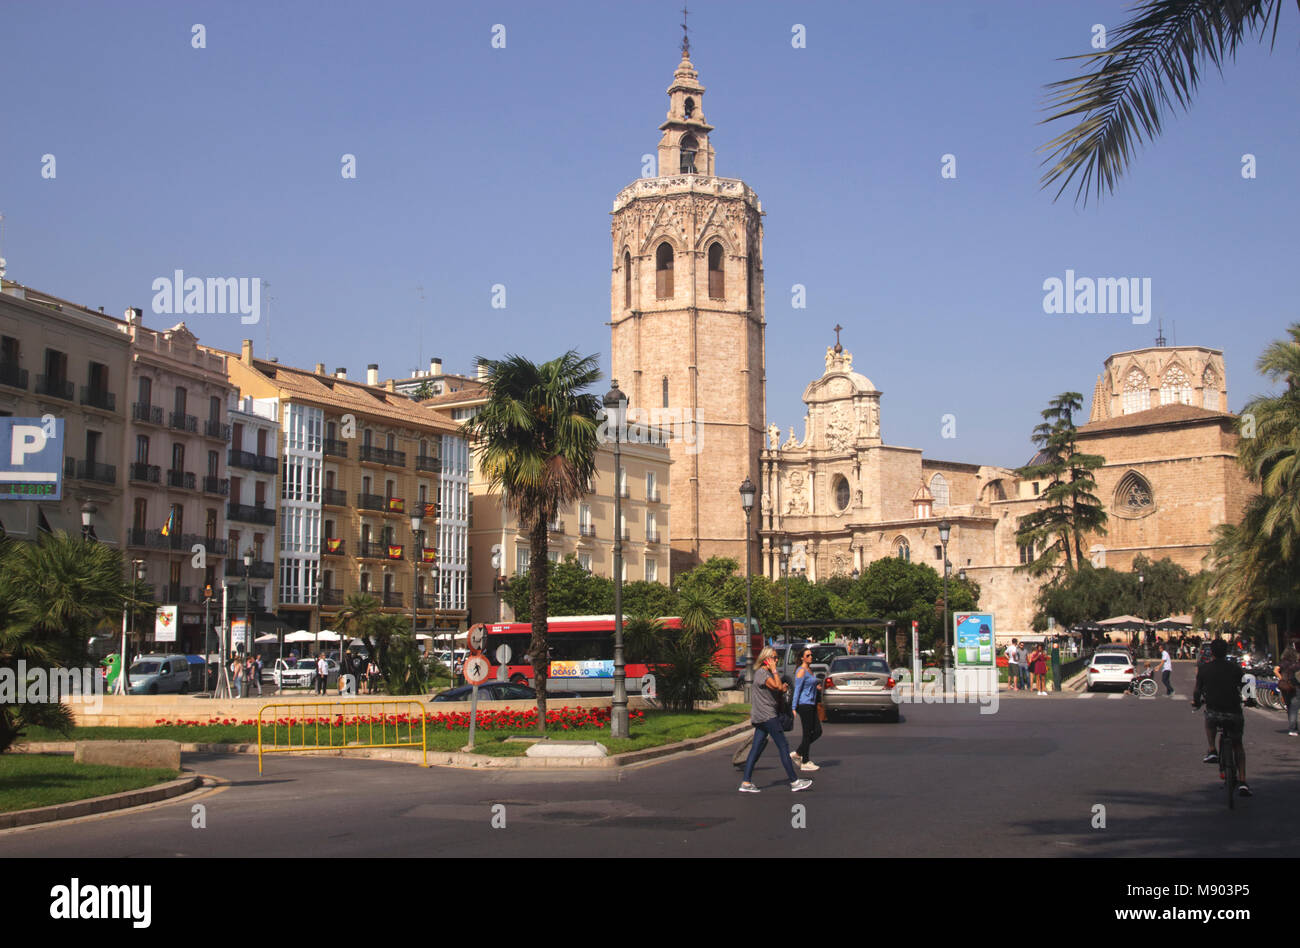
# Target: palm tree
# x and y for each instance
(1153, 61)
(536, 438)
(1271, 452)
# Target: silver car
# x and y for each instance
(159, 674)
(859, 683)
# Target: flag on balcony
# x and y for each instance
(396, 504)
(431, 510)
(333, 545)
(394, 551)
(170, 524)
(430, 556)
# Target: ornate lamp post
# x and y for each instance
(417, 541)
(614, 402)
(945, 528)
(248, 614)
(785, 572)
(88, 511)
(137, 575)
(747, 492)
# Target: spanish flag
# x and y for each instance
(171, 522)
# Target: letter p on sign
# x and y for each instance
(28, 439)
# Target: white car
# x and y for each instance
(1109, 668)
(302, 673)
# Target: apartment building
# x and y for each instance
(584, 530)
(251, 514)
(69, 362)
(357, 460)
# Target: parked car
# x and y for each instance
(1109, 668)
(498, 691)
(859, 683)
(159, 674)
(302, 673)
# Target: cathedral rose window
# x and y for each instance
(1133, 496)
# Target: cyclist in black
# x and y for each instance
(1218, 686)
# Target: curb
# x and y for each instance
(94, 805)
(457, 759)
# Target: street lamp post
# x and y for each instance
(614, 403)
(747, 491)
(248, 615)
(785, 572)
(417, 534)
(88, 511)
(945, 528)
(137, 575)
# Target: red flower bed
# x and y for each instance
(503, 720)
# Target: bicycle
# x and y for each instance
(1227, 762)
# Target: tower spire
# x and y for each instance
(686, 36)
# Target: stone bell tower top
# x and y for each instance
(684, 147)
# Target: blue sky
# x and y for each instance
(479, 166)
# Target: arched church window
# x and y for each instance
(627, 280)
(841, 493)
(1175, 389)
(689, 147)
(903, 550)
(1137, 392)
(664, 271)
(1133, 495)
(939, 490)
(1210, 392)
(690, 106)
(716, 282)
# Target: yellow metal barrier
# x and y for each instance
(358, 719)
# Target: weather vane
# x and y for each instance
(686, 38)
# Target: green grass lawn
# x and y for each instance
(32, 780)
(656, 728)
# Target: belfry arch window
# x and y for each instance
(902, 549)
(664, 271)
(939, 489)
(627, 280)
(690, 107)
(689, 147)
(1174, 388)
(1133, 496)
(716, 281)
(1210, 392)
(1137, 392)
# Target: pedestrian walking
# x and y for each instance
(1288, 686)
(237, 677)
(765, 716)
(806, 688)
(1166, 667)
(1013, 665)
(322, 674)
(1022, 657)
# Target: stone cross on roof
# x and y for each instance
(838, 347)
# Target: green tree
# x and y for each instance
(536, 439)
(1150, 62)
(53, 595)
(570, 591)
(1070, 508)
(422, 391)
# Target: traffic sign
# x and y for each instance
(504, 654)
(477, 638)
(476, 670)
(31, 458)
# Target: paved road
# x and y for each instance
(947, 781)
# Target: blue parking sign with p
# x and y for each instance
(31, 458)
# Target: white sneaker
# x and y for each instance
(749, 788)
(798, 785)
(794, 755)
(809, 766)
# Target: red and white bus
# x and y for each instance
(582, 652)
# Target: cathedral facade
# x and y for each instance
(845, 498)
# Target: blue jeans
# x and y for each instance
(1024, 676)
(1164, 676)
(771, 728)
(1292, 707)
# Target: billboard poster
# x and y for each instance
(592, 669)
(239, 633)
(31, 458)
(974, 637)
(164, 625)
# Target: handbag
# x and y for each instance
(784, 712)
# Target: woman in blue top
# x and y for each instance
(805, 705)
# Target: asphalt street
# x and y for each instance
(946, 781)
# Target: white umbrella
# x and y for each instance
(325, 635)
(302, 635)
(267, 637)
(423, 636)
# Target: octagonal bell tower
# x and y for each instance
(686, 317)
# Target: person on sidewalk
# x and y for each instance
(1166, 667)
(1022, 656)
(806, 687)
(322, 674)
(1013, 665)
(237, 677)
(765, 717)
(1038, 661)
(1287, 686)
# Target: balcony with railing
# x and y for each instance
(652, 536)
(148, 414)
(146, 473)
(258, 569)
(13, 376)
(331, 597)
(336, 448)
(216, 429)
(372, 502)
(182, 422)
(55, 387)
(652, 496)
(333, 547)
(253, 462)
(556, 526)
(334, 498)
(99, 398)
(246, 513)
(426, 601)
(236, 604)
(627, 534)
(392, 600)
(625, 492)
(369, 454)
(216, 485)
(426, 462)
(90, 471)
(175, 593)
(369, 549)
(587, 529)
(182, 479)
